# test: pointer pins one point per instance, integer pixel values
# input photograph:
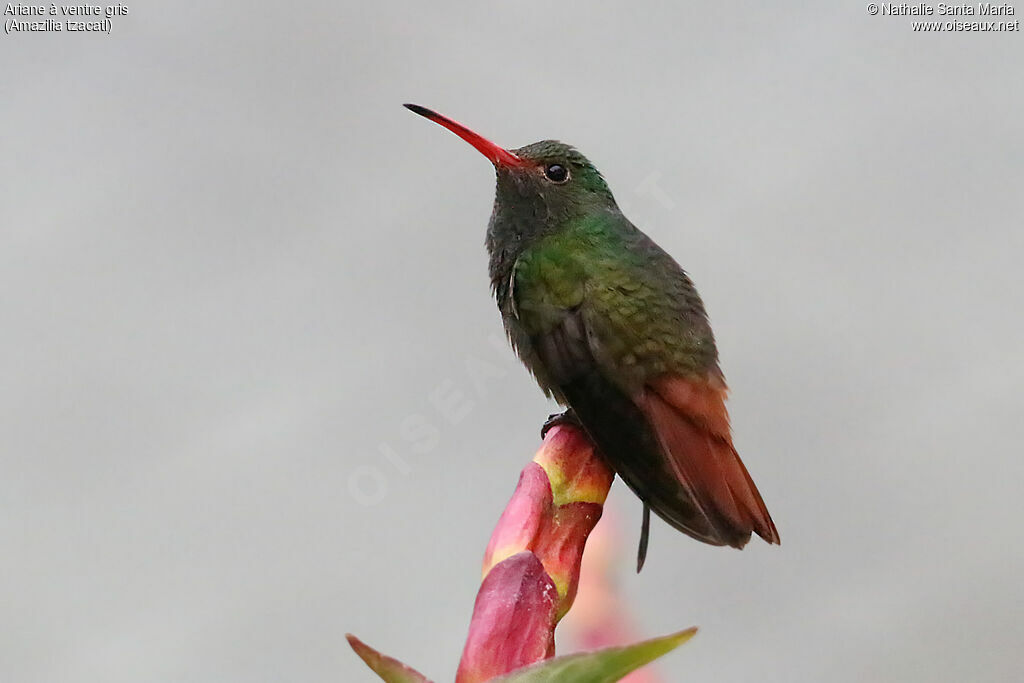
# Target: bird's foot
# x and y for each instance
(565, 418)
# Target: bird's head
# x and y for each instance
(547, 182)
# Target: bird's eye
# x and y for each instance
(556, 173)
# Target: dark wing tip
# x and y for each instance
(645, 535)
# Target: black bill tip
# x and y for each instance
(422, 111)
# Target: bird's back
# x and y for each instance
(611, 326)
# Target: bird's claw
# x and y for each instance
(568, 417)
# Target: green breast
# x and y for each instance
(642, 313)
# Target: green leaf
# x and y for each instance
(388, 668)
(603, 666)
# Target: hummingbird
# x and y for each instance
(613, 329)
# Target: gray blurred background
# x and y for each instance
(255, 393)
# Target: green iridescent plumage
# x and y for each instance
(614, 329)
(641, 307)
(569, 247)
